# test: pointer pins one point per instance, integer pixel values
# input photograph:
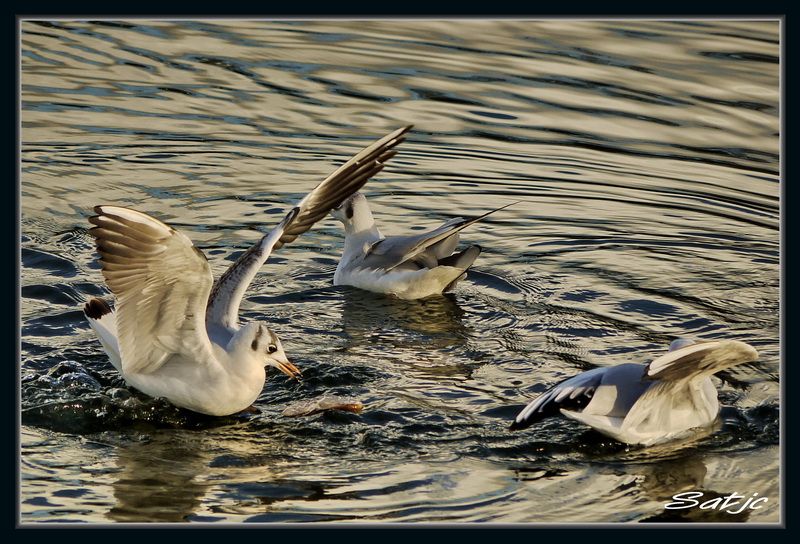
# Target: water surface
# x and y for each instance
(644, 154)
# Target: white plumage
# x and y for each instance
(644, 404)
(156, 337)
(409, 267)
(172, 334)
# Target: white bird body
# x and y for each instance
(227, 387)
(404, 281)
(230, 385)
(157, 337)
(404, 284)
(172, 334)
(408, 267)
(668, 399)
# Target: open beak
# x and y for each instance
(289, 369)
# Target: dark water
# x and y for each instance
(645, 155)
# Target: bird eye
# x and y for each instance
(272, 348)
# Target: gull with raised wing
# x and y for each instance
(409, 267)
(174, 333)
(665, 400)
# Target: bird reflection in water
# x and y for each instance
(670, 469)
(662, 481)
(438, 320)
(419, 335)
(161, 480)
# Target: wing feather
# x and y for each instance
(578, 389)
(700, 360)
(228, 292)
(346, 180)
(394, 251)
(161, 282)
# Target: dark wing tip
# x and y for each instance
(290, 217)
(96, 308)
(95, 219)
(519, 425)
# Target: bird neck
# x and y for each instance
(360, 229)
(361, 221)
(240, 352)
(359, 241)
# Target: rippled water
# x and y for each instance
(645, 155)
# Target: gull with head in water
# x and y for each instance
(645, 404)
(174, 333)
(409, 267)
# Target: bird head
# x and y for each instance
(351, 208)
(262, 343)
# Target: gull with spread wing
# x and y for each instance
(174, 333)
(645, 404)
(409, 267)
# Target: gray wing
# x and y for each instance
(700, 360)
(228, 292)
(393, 251)
(572, 393)
(161, 282)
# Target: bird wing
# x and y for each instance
(161, 282)
(700, 360)
(573, 392)
(228, 292)
(683, 395)
(346, 180)
(608, 425)
(393, 251)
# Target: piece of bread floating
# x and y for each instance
(321, 404)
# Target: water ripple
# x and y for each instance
(644, 160)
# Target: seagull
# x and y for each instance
(174, 333)
(645, 404)
(408, 267)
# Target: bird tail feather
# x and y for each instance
(103, 321)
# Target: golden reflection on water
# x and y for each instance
(645, 155)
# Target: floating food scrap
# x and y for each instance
(321, 404)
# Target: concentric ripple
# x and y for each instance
(642, 158)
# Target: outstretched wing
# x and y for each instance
(573, 392)
(227, 294)
(393, 251)
(700, 360)
(682, 396)
(161, 282)
(346, 180)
